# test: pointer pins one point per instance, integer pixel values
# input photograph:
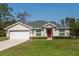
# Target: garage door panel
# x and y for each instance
(19, 35)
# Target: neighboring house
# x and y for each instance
(37, 29)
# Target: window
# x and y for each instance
(62, 32)
(38, 32)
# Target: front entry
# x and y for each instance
(49, 34)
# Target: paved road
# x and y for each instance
(9, 43)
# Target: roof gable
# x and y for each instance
(49, 24)
(18, 23)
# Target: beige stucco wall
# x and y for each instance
(67, 32)
(19, 27)
(7, 33)
(54, 31)
(33, 34)
(44, 33)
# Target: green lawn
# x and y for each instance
(40, 47)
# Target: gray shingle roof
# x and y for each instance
(40, 23)
(37, 24)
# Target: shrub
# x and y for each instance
(53, 37)
(75, 37)
(2, 33)
(38, 37)
(58, 37)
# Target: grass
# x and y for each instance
(40, 47)
(3, 38)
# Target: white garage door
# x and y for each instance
(19, 35)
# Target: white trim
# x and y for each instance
(48, 24)
(16, 24)
(63, 27)
(37, 28)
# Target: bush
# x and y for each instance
(38, 37)
(75, 37)
(53, 37)
(2, 33)
(58, 37)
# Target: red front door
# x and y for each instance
(49, 33)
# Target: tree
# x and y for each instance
(73, 23)
(5, 11)
(23, 16)
(6, 17)
(77, 27)
(62, 21)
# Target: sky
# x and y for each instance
(47, 11)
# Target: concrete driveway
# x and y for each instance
(9, 43)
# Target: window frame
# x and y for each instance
(38, 33)
(62, 32)
(61, 29)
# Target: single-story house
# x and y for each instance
(37, 29)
